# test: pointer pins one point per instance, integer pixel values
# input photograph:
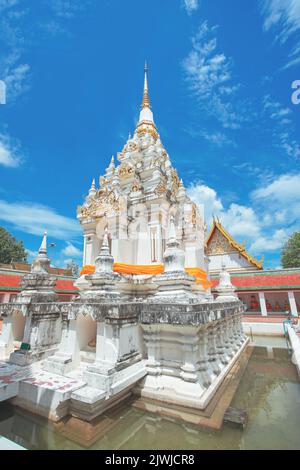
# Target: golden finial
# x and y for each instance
(146, 99)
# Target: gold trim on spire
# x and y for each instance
(146, 99)
(146, 124)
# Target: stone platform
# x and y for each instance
(212, 416)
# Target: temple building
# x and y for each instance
(266, 292)
(222, 248)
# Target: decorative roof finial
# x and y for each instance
(43, 247)
(146, 99)
(41, 263)
(104, 261)
(92, 190)
(105, 243)
(172, 239)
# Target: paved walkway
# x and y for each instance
(11, 375)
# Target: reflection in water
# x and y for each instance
(269, 391)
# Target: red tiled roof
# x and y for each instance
(264, 281)
(8, 281)
(65, 285)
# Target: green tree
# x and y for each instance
(11, 249)
(290, 255)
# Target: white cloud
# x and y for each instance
(219, 139)
(15, 74)
(31, 254)
(191, 5)
(282, 197)
(240, 221)
(269, 219)
(209, 74)
(9, 153)
(67, 9)
(282, 126)
(204, 195)
(71, 250)
(273, 243)
(35, 218)
(6, 4)
(283, 17)
(17, 81)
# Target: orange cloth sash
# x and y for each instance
(201, 277)
(152, 270)
(87, 269)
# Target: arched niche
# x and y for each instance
(18, 325)
(86, 332)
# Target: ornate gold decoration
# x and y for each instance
(125, 169)
(130, 147)
(192, 217)
(105, 202)
(219, 245)
(175, 182)
(161, 188)
(147, 127)
(136, 186)
(103, 181)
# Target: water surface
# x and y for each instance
(269, 391)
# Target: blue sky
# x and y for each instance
(220, 77)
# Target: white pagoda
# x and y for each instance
(135, 201)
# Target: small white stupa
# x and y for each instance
(226, 290)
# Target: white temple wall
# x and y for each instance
(142, 254)
(47, 332)
(232, 261)
(114, 342)
(91, 247)
(6, 338)
(194, 256)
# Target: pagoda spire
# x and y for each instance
(146, 99)
(146, 122)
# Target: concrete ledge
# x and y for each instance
(6, 444)
(295, 343)
(263, 329)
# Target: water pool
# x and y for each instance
(269, 391)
